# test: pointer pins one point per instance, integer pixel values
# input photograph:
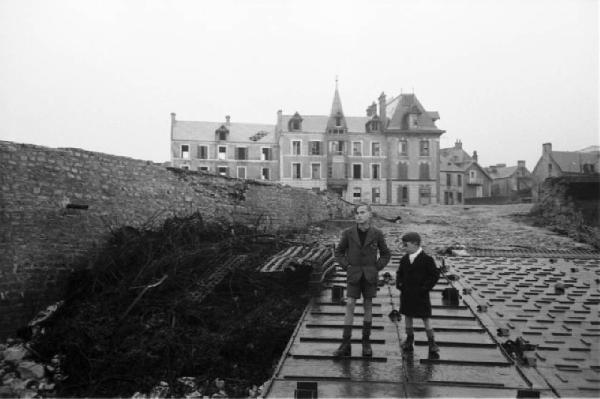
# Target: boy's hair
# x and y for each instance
(413, 237)
(362, 204)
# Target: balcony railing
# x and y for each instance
(475, 181)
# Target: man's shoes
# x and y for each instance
(407, 345)
(367, 351)
(344, 350)
(366, 348)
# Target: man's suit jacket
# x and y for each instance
(359, 260)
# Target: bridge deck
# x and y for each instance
(471, 363)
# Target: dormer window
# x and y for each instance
(413, 120)
(295, 122)
(222, 133)
(338, 119)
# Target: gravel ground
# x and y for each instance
(482, 226)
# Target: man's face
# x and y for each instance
(411, 247)
(362, 215)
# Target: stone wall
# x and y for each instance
(569, 204)
(56, 205)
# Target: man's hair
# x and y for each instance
(362, 204)
(413, 237)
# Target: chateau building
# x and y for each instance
(391, 155)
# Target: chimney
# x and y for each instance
(458, 145)
(172, 123)
(372, 110)
(382, 113)
(474, 156)
(227, 118)
(546, 148)
(521, 164)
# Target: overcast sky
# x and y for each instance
(505, 76)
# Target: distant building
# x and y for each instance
(241, 150)
(388, 157)
(564, 163)
(511, 182)
(461, 176)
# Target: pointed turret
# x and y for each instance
(336, 123)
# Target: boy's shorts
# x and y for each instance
(363, 287)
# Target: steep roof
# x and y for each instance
(399, 107)
(571, 161)
(238, 132)
(455, 155)
(318, 123)
(501, 173)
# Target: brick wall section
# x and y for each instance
(40, 237)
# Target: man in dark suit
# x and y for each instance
(416, 276)
(357, 254)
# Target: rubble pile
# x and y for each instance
(184, 301)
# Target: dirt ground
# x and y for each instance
(481, 226)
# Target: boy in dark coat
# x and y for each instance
(416, 276)
(357, 254)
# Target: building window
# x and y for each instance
(459, 181)
(413, 120)
(374, 126)
(185, 151)
(375, 149)
(448, 179)
(338, 121)
(202, 152)
(549, 168)
(266, 154)
(314, 148)
(266, 174)
(356, 194)
(356, 171)
(402, 194)
(222, 133)
(424, 148)
(375, 195)
(403, 171)
(222, 170)
(296, 171)
(203, 168)
(296, 124)
(336, 147)
(315, 171)
(424, 195)
(357, 148)
(241, 172)
(424, 171)
(403, 147)
(296, 147)
(459, 198)
(375, 171)
(222, 152)
(472, 175)
(241, 153)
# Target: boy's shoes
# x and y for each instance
(407, 345)
(434, 350)
(344, 350)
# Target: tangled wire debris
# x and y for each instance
(185, 300)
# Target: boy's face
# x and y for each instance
(411, 247)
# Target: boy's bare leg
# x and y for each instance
(407, 346)
(433, 348)
(345, 348)
(367, 322)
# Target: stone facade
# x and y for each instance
(390, 157)
(461, 176)
(59, 204)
